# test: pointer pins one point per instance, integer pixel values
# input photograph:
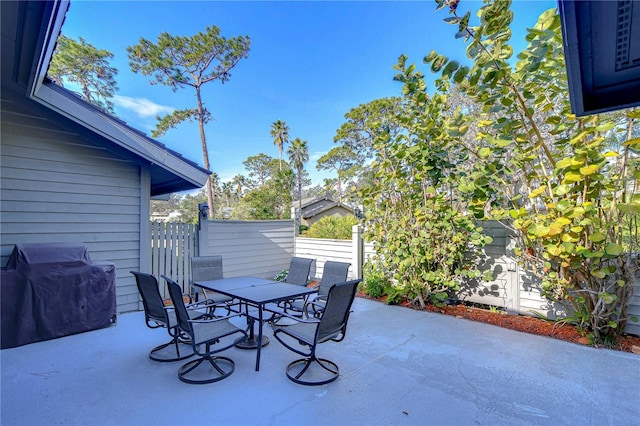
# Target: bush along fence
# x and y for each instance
(503, 283)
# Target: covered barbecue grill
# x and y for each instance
(53, 290)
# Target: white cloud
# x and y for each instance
(141, 106)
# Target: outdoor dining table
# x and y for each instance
(256, 292)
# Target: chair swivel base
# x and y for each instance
(296, 374)
(170, 352)
(220, 368)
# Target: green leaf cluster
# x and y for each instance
(80, 62)
(423, 234)
(558, 179)
(332, 227)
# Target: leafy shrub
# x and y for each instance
(338, 228)
(375, 281)
(282, 275)
(567, 184)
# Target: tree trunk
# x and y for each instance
(205, 152)
(299, 200)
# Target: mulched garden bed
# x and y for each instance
(523, 323)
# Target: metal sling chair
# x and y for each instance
(204, 335)
(157, 315)
(331, 326)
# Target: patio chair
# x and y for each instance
(204, 335)
(333, 272)
(205, 268)
(158, 315)
(299, 269)
(330, 326)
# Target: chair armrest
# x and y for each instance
(203, 304)
(315, 305)
(298, 319)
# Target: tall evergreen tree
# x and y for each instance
(341, 159)
(82, 63)
(179, 61)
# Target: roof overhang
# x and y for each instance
(29, 33)
(602, 53)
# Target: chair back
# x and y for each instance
(151, 298)
(332, 273)
(333, 322)
(178, 305)
(205, 268)
(299, 271)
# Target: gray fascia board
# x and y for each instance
(49, 40)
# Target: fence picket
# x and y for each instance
(172, 245)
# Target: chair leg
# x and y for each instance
(217, 363)
(181, 350)
(296, 376)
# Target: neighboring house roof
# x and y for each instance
(316, 206)
(29, 33)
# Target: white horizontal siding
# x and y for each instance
(322, 250)
(58, 187)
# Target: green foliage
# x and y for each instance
(82, 63)
(341, 159)
(282, 275)
(179, 61)
(365, 123)
(415, 216)
(280, 134)
(332, 227)
(552, 174)
(269, 201)
(375, 280)
(298, 153)
(261, 168)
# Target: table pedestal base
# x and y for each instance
(250, 342)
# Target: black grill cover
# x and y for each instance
(53, 290)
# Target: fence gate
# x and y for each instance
(172, 245)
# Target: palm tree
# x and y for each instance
(298, 156)
(280, 135)
(240, 183)
(227, 190)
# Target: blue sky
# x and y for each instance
(310, 62)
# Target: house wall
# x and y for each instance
(56, 187)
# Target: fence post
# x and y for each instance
(513, 273)
(202, 240)
(357, 248)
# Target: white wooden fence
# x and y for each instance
(264, 248)
(172, 245)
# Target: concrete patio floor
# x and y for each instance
(398, 367)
